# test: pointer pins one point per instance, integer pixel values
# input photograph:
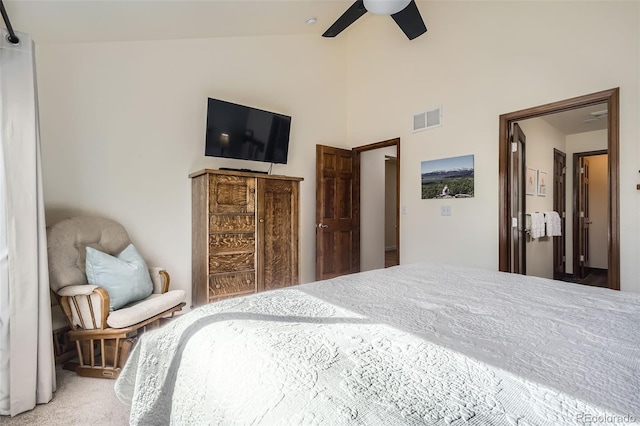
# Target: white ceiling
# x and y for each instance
(55, 21)
(572, 122)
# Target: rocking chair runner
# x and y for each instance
(94, 328)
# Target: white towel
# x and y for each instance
(554, 225)
(537, 225)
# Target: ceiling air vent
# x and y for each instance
(427, 120)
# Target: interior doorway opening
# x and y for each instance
(518, 205)
(379, 204)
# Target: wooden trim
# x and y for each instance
(244, 174)
(167, 280)
(611, 98)
(371, 147)
(560, 244)
(377, 145)
(356, 253)
(104, 308)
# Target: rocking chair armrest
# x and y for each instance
(77, 290)
(160, 279)
(84, 309)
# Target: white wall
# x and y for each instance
(480, 60)
(581, 142)
(123, 124)
(542, 138)
(372, 207)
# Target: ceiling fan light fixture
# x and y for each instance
(385, 7)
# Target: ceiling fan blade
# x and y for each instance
(349, 17)
(410, 21)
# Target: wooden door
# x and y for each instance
(582, 257)
(277, 212)
(559, 205)
(337, 212)
(518, 204)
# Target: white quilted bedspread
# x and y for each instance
(414, 344)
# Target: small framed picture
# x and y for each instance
(531, 181)
(542, 183)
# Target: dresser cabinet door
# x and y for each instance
(277, 212)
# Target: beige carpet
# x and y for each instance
(78, 401)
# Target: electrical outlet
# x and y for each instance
(445, 210)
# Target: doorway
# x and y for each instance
(589, 217)
(512, 226)
(379, 169)
(338, 209)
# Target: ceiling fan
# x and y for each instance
(404, 12)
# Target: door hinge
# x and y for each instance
(581, 258)
(564, 259)
(564, 170)
(514, 146)
(581, 170)
(581, 214)
(514, 222)
(564, 215)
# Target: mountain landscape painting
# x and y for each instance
(447, 177)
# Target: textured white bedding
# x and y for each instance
(413, 344)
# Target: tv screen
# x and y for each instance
(242, 132)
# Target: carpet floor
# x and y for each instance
(79, 401)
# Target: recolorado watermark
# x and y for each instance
(587, 418)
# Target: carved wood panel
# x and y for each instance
(224, 284)
(228, 242)
(231, 262)
(235, 223)
(278, 224)
(233, 194)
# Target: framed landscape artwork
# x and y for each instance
(447, 178)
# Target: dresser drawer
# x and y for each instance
(223, 284)
(232, 223)
(230, 242)
(232, 194)
(231, 262)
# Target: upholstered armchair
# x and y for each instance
(103, 337)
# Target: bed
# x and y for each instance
(413, 344)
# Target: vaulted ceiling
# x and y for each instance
(55, 21)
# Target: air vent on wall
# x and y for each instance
(427, 120)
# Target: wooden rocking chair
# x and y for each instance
(103, 338)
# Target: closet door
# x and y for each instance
(277, 246)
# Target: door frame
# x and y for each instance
(576, 216)
(560, 200)
(612, 98)
(370, 147)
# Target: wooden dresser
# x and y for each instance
(244, 233)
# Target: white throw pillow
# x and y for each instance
(125, 276)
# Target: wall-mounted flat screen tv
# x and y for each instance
(242, 132)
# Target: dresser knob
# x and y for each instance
(218, 286)
(261, 220)
(248, 281)
(216, 264)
